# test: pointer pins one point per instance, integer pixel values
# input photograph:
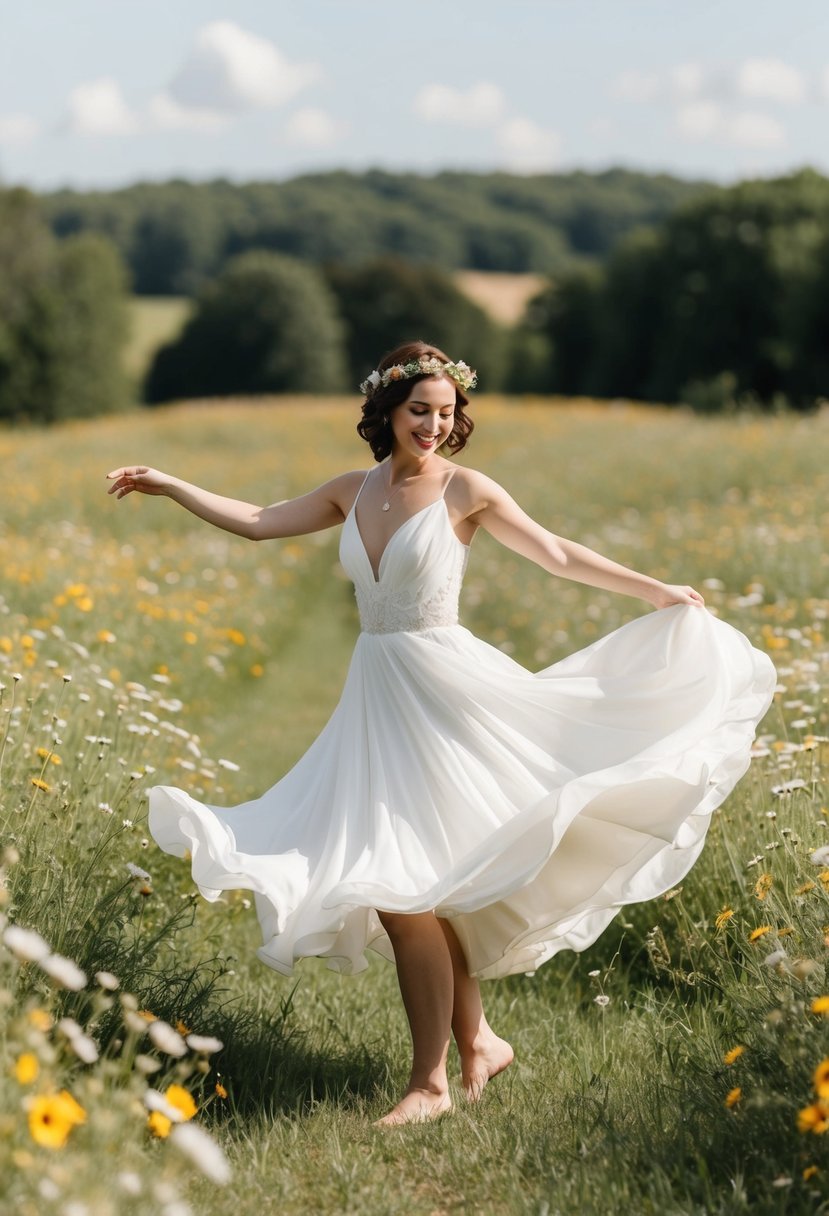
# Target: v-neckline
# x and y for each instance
(378, 575)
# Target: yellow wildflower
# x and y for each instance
(41, 785)
(6, 645)
(26, 1068)
(40, 1019)
(813, 1118)
(220, 1090)
(182, 1028)
(190, 638)
(820, 1004)
(807, 886)
(733, 1054)
(810, 1172)
(257, 670)
(763, 886)
(733, 1097)
(52, 1117)
(147, 1015)
(759, 932)
(181, 1099)
(723, 918)
(158, 1124)
(821, 1079)
(236, 636)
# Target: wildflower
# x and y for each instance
(166, 1039)
(759, 932)
(26, 1068)
(203, 1043)
(52, 1117)
(820, 1004)
(820, 856)
(137, 872)
(601, 1000)
(105, 979)
(41, 785)
(203, 1151)
(129, 1182)
(807, 886)
(64, 972)
(813, 1118)
(26, 944)
(40, 1019)
(220, 1090)
(775, 958)
(733, 1096)
(181, 1099)
(810, 1172)
(763, 886)
(158, 1124)
(723, 918)
(733, 1054)
(821, 1079)
(228, 764)
(84, 1047)
(182, 1028)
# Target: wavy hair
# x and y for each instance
(375, 423)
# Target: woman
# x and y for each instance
(458, 813)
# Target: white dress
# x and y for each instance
(527, 807)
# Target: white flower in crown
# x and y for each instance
(427, 365)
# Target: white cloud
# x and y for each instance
(699, 119)
(480, 106)
(772, 79)
(97, 107)
(750, 129)
(18, 128)
(166, 114)
(312, 127)
(637, 86)
(528, 147)
(706, 120)
(687, 79)
(229, 69)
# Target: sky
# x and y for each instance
(103, 93)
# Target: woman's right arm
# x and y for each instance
(324, 507)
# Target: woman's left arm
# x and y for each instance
(497, 513)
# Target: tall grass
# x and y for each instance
(201, 660)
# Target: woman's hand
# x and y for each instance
(666, 594)
(138, 477)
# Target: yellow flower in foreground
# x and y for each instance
(158, 1124)
(40, 785)
(733, 1096)
(52, 1117)
(26, 1068)
(763, 886)
(820, 1004)
(181, 1099)
(182, 1028)
(723, 918)
(821, 1079)
(759, 932)
(733, 1054)
(814, 1118)
(810, 1172)
(40, 1019)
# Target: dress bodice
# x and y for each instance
(419, 577)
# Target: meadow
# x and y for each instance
(150, 1063)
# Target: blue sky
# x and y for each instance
(103, 93)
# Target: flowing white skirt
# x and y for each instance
(527, 807)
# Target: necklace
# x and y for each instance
(389, 497)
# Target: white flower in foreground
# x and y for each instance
(166, 1039)
(129, 1182)
(820, 856)
(234, 768)
(137, 872)
(26, 944)
(204, 1043)
(64, 972)
(153, 1100)
(203, 1151)
(788, 787)
(85, 1049)
(601, 1000)
(776, 957)
(147, 1064)
(107, 980)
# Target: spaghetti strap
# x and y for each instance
(353, 507)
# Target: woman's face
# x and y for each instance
(424, 421)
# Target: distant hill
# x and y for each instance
(176, 234)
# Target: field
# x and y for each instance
(139, 645)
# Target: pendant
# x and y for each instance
(385, 506)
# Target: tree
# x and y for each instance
(388, 301)
(267, 324)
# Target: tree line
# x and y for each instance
(174, 236)
(724, 301)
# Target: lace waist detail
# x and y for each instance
(393, 610)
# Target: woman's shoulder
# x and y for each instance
(473, 490)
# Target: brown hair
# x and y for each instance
(375, 424)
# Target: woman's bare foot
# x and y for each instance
(483, 1061)
(417, 1106)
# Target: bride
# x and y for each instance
(460, 814)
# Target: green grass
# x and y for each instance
(154, 321)
(187, 646)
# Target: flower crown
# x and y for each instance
(426, 365)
